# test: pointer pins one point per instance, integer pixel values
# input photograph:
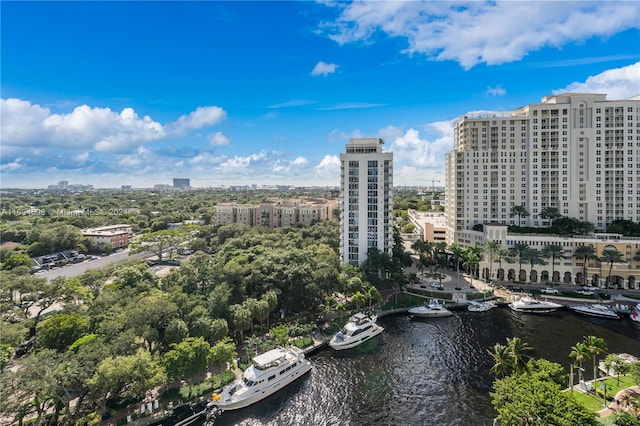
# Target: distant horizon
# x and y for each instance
(271, 92)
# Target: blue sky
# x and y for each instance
(229, 93)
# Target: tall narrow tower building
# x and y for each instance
(366, 213)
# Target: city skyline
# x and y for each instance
(137, 93)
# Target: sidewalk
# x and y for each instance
(616, 404)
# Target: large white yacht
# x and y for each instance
(596, 310)
(432, 310)
(270, 372)
(528, 304)
(360, 328)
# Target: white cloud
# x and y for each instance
(26, 125)
(292, 103)
(218, 139)
(329, 168)
(323, 69)
(12, 166)
(81, 158)
(617, 83)
(496, 91)
(350, 105)
(201, 117)
(286, 167)
(418, 160)
(239, 164)
(477, 32)
(300, 162)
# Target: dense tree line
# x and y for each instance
(119, 332)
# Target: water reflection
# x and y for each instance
(425, 372)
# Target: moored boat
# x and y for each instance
(433, 310)
(360, 328)
(530, 305)
(475, 306)
(596, 310)
(635, 313)
(270, 372)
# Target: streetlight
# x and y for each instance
(580, 370)
(603, 387)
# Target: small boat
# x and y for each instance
(433, 310)
(475, 306)
(635, 313)
(596, 310)
(360, 328)
(530, 305)
(270, 372)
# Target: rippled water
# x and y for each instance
(425, 371)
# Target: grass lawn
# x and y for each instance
(596, 402)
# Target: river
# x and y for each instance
(427, 371)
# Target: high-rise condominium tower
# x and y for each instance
(366, 210)
(576, 154)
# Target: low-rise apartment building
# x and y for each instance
(277, 213)
(116, 235)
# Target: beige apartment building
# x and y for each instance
(277, 213)
(576, 152)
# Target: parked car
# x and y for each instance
(585, 292)
(590, 288)
(549, 290)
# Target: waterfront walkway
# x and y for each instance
(618, 403)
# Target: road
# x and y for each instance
(76, 269)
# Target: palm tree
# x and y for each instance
(519, 353)
(358, 298)
(553, 251)
(490, 249)
(519, 249)
(471, 262)
(611, 256)
(580, 352)
(533, 257)
(585, 253)
(502, 254)
(551, 213)
(458, 254)
(520, 211)
(596, 346)
(502, 360)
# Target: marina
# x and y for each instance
(436, 370)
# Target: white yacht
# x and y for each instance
(475, 306)
(596, 310)
(270, 372)
(432, 310)
(528, 304)
(360, 328)
(635, 313)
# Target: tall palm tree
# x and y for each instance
(471, 262)
(581, 353)
(551, 213)
(533, 258)
(490, 249)
(519, 353)
(502, 254)
(458, 255)
(519, 249)
(596, 346)
(585, 253)
(502, 360)
(611, 256)
(553, 251)
(520, 211)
